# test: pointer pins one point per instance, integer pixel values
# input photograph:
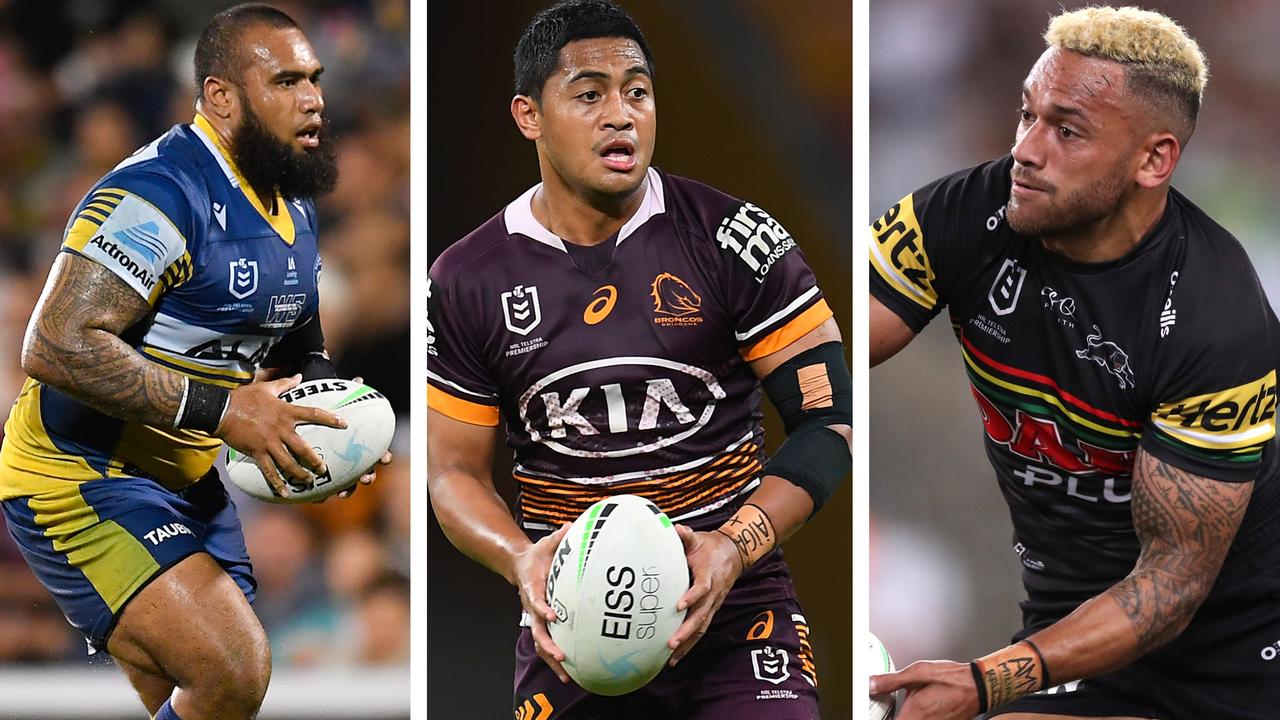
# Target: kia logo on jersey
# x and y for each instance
(520, 309)
(619, 407)
(1006, 288)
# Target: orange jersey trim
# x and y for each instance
(798, 327)
(461, 410)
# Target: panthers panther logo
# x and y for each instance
(673, 296)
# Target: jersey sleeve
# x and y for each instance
(136, 225)
(459, 384)
(917, 249)
(773, 295)
(1215, 388)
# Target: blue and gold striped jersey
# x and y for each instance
(226, 277)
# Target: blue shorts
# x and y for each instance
(95, 544)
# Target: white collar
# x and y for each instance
(519, 218)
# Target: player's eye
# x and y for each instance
(1066, 132)
(288, 82)
(638, 93)
(1024, 115)
(590, 96)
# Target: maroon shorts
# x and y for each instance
(754, 663)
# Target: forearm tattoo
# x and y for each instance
(1010, 673)
(74, 344)
(1185, 523)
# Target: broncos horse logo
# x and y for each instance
(673, 296)
(1109, 356)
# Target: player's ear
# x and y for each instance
(1160, 156)
(219, 98)
(524, 110)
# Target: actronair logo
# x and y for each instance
(114, 251)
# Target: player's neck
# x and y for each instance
(226, 142)
(581, 220)
(1112, 237)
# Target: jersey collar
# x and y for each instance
(282, 221)
(519, 218)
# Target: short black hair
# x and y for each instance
(218, 51)
(538, 52)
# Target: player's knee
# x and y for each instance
(237, 682)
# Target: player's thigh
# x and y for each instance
(755, 662)
(193, 624)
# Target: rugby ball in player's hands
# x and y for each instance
(347, 453)
(883, 707)
(614, 583)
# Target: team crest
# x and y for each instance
(244, 278)
(1109, 356)
(674, 302)
(1006, 288)
(520, 309)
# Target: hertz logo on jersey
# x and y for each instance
(897, 253)
(1237, 420)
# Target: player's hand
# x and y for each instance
(262, 426)
(714, 565)
(936, 690)
(531, 568)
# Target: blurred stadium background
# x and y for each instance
(945, 88)
(82, 84)
(754, 98)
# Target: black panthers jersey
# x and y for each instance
(1074, 366)
(624, 367)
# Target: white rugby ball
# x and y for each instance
(883, 707)
(347, 453)
(614, 584)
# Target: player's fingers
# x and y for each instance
(366, 479)
(687, 635)
(317, 416)
(279, 385)
(697, 590)
(306, 455)
(268, 469)
(289, 465)
(547, 648)
(385, 459)
(685, 533)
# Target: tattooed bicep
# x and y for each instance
(82, 294)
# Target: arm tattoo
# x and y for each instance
(1185, 523)
(74, 345)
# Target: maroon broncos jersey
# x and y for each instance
(621, 368)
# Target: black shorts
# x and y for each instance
(1225, 665)
(754, 663)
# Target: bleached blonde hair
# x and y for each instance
(1162, 62)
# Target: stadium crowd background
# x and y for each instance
(754, 98)
(82, 85)
(945, 89)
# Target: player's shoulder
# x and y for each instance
(473, 254)
(1214, 292)
(166, 173)
(979, 190)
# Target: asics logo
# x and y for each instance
(599, 308)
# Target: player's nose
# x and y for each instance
(310, 99)
(1028, 146)
(615, 114)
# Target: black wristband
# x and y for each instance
(203, 406)
(317, 366)
(982, 686)
(1044, 667)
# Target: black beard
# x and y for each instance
(267, 162)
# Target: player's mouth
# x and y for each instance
(1026, 186)
(619, 155)
(309, 137)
